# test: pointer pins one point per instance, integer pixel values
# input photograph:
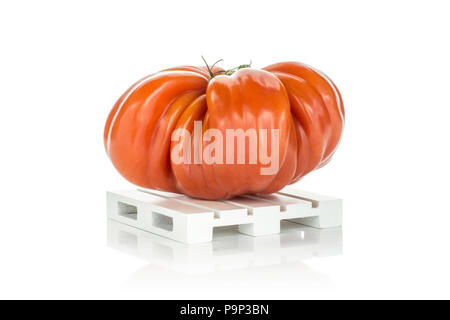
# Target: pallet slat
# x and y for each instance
(224, 213)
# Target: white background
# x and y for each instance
(64, 63)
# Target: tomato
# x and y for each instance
(288, 116)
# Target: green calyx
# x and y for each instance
(224, 72)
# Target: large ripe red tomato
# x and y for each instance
(300, 102)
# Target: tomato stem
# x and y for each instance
(224, 72)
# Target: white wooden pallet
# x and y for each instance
(189, 220)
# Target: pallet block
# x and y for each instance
(189, 220)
